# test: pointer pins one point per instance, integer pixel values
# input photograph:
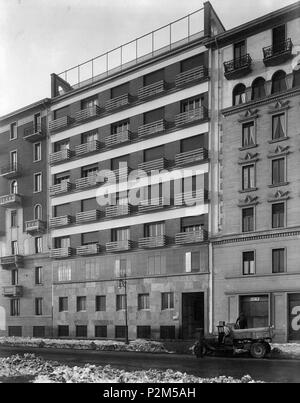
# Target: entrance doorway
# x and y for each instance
(294, 317)
(192, 314)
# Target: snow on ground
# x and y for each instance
(286, 350)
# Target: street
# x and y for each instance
(267, 370)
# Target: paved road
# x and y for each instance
(266, 370)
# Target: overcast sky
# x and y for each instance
(40, 37)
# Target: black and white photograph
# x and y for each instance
(149, 194)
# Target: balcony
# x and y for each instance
(118, 138)
(237, 68)
(151, 90)
(60, 156)
(10, 201)
(35, 133)
(153, 242)
(191, 237)
(60, 221)
(12, 262)
(35, 227)
(187, 77)
(277, 54)
(87, 250)
(192, 116)
(60, 123)
(11, 171)
(191, 198)
(88, 181)
(152, 128)
(12, 291)
(154, 165)
(117, 211)
(191, 157)
(60, 188)
(118, 246)
(86, 148)
(156, 203)
(119, 175)
(86, 114)
(88, 216)
(61, 253)
(118, 102)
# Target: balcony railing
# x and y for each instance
(12, 262)
(118, 246)
(118, 210)
(35, 227)
(88, 216)
(156, 203)
(117, 102)
(153, 242)
(34, 132)
(192, 116)
(11, 200)
(60, 156)
(154, 165)
(237, 67)
(11, 171)
(87, 113)
(86, 148)
(118, 138)
(88, 181)
(191, 157)
(12, 291)
(60, 123)
(198, 73)
(151, 90)
(191, 237)
(62, 187)
(61, 253)
(60, 221)
(278, 53)
(87, 250)
(190, 198)
(152, 128)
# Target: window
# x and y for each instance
(278, 82)
(154, 116)
(101, 331)
(278, 126)
(248, 263)
(192, 63)
(239, 94)
(38, 331)
(120, 234)
(155, 229)
(120, 127)
(279, 37)
(88, 171)
(63, 304)
(100, 303)
(14, 277)
(37, 182)
(14, 187)
(143, 301)
(248, 135)
(90, 238)
(14, 248)
(13, 218)
(13, 160)
(38, 244)
(248, 177)
(62, 145)
(278, 171)
(13, 131)
(256, 310)
(239, 51)
(81, 304)
(37, 152)
(37, 122)
(120, 332)
(89, 137)
(167, 300)
(167, 332)
(154, 77)
(89, 102)
(62, 242)
(192, 261)
(156, 264)
(121, 267)
(64, 272)
(120, 302)
(37, 212)
(296, 77)
(15, 331)
(63, 331)
(278, 260)
(39, 306)
(81, 331)
(191, 104)
(143, 332)
(248, 219)
(258, 88)
(38, 275)
(15, 307)
(278, 215)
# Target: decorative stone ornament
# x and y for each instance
(248, 201)
(279, 195)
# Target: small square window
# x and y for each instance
(143, 332)
(120, 332)
(167, 300)
(143, 301)
(63, 304)
(100, 303)
(81, 331)
(63, 331)
(248, 263)
(101, 331)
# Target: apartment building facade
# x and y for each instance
(25, 275)
(256, 245)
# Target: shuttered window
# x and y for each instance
(154, 77)
(278, 171)
(278, 260)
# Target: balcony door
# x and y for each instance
(239, 51)
(122, 234)
(279, 37)
(155, 229)
(89, 137)
(37, 122)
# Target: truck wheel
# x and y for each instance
(258, 350)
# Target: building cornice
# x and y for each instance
(45, 102)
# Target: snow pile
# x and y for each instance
(53, 372)
(285, 350)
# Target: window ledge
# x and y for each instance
(278, 140)
(248, 147)
(278, 185)
(285, 273)
(248, 190)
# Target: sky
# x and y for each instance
(40, 37)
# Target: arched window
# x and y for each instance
(278, 82)
(239, 95)
(14, 187)
(296, 79)
(37, 212)
(258, 88)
